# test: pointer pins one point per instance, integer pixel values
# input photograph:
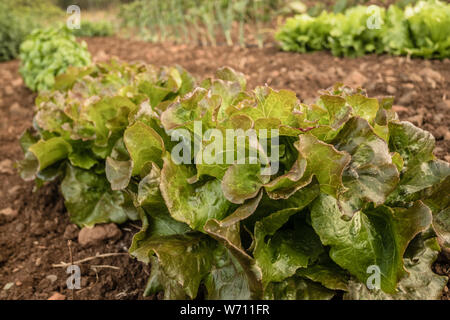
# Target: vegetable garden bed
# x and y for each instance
(39, 229)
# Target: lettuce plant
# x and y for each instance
(46, 53)
(95, 29)
(349, 199)
(419, 30)
(81, 124)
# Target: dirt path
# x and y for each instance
(34, 233)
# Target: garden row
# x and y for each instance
(20, 19)
(418, 30)
(356, 191)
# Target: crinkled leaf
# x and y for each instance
(420, 180)
(118, 173)
(183, 259)
(48, 152)
(90, 200)
(373, 237)
(370, 176)
(324, 162)
(297, 288)
(286, 185)
(144, 145)
(242, 182)
(279, 253)
(193, 204)
(413, 144)
(420, 283)
(327, 273)
(363, 106)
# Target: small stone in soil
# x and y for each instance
(57, 296)
(8, 286)
(391, 89)
(355, 79)
(20, 227)
(6, 166)
(89, 236)
(9, 212)
(407, 98)
(397, 108)
(71, 232)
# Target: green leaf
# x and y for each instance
(90, 200)
(324, 162)
(419, 181)
(108, 115)
(286, 185)
(183, 259)
(229, 74)
(327, 273)
(83, 159)
(155, 224)
(118, 173)
(193, 204)
(420, 283)
(148, 189)
(363, 106)
(279, 253)
(372, 237)
(143, 145)
(370, 176)
(274, 107)
(413, 144)
(48, 152)
(297, 288)
(242, 182)
(229, 280)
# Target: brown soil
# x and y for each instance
(32, 236)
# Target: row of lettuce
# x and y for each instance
(357, 192)
(18, 19)
(420, 30)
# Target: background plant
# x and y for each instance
(95, 29)
(46, 53)
(18, 19)
(187, 20)
(418, 30)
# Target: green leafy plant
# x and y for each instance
(95, 29)
(18, 19)
(356, 189)
(199, 21)
(13, 30)
(46, 53)
(79, 133)
(418, 30)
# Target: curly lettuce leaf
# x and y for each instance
(377, 236)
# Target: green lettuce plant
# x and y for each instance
(357, 205)
(46, 53)
(78, 133)
(95, 29)
(420, 30)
